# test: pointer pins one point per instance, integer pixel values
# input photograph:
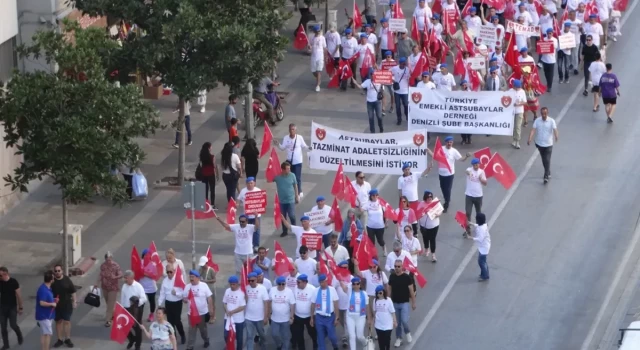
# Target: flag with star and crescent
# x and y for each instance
(123, 321)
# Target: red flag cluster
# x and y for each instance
(495, 166)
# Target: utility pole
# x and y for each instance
(248, 112)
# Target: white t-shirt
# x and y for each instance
(597, 69)
(324, 229)
(422, 16)
(575, 24)
(376, 214)
(473, 23)
(401, 76)
(340, 255)
(550, 58)
(546, 21)
(318, 46)
(234, 300)
(343, 298)
(303, 300)
(444, 81)
(528, 18)
(595, 30)
(384, 318)
(604, 6)
(235, 164)
(521, 97)
(452, 156)
(292, 281)
(333, 42)
(373, 281)
(243, 195)
(201, 292)
(281, 304)
(527, 59)
(294, 148)
(372, 39)
(474, 186)
(308, 267)
(411, 245)
(322, 309)
(349, 47)
(244, 237)
(428, 85)
(255, 303)
(383, 34)
(372, 90)
(356, 299)
(544, 131)
(362, 49)
(409, 186)
(362, 190)
(298, 231)
(533, 13)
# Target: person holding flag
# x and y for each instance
(318, 46)
(476, 179)
(198, 295)
(45, 310)
(349, 48)
(171, 292)
(333, 45)
(161, 332)
(366, 56)
(446, 171)
(281, 310)
(429, 227)
(132, 290)
(234, 303)
(386, 41)
(482, 238)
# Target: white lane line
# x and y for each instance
(463, 265)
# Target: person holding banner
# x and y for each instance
(429, 228)
(476, 179)
(252, 218)
(298, 231)
(327, 227)
(564, 57)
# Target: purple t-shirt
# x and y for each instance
(608, 84)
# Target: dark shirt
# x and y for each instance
(8, 292)
(250, 160)
(63, 288)
(400, 287)
(590, 53)
(44, 312)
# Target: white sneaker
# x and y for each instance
(397, 343)
(202, 110)
(301, 195)
(409, 339)
(317, 88)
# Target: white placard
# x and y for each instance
(317, 218)
(462, 112)
(397, 24)
(567, 41)
(436, 210)
(372, 153)
(383, 2)
(477, 62)
(488, 35)
(514, 27)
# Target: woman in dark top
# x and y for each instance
(209, 172)
(250, 154)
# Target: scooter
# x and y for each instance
(260, 111)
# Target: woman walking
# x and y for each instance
(210, 172)
(357, 314)
(408, 217)
(161, 333)
(150, 288)
(384, 318)
(483, 241)
(411, 244)
(231, 170)
(429, 228)
(171, 296)
(377, 222)
(346, 237)
(249, 155)
(374, 278)
(110, 275)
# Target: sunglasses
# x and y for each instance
(398, 267)
(282, 284)
(168, 272)
(407, 230)
(243, 221)
(355, 283)
(362, 177)
(252, 281)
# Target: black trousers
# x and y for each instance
(446, 183)
(564, 61)
(135, 335)
(545, 155)
(231, 184)
(174, 311)
(209, 190)
(376, 234)
(384, 339)
(297, 332)
(548, 73)
(429, 237)
(152, 302)
(9, 317)
(129, 180)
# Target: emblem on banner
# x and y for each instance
(418, 139)
(416, 97)
(506, 101)
(321, 133)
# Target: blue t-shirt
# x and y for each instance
(44, 312)
(284, 185)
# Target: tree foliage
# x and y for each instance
(73, 125)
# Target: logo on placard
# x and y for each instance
(416, 97)
(320, 134)
(506, 101)
(418, 139)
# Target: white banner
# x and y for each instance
(397, 24)
(522, 29)
(488, 35)
(372, 153)
(567, 41)
(462, 112)
(317, 218)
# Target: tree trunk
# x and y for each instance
(65, 238)
(181, 141)
(248, 113)
(326, 16)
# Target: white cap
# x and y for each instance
(203, 261)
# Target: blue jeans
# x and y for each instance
(404, 99)
(374, 108)
(256, 233)
(402, 315)
(288, 210)
(187, 125)
(239, 335)
(253, 328)
(484, 267)
(296, 169)
(281, 334)
(325, 328)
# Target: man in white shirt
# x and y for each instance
(532, 9)
(261, 278)
(324, 307)
(446, 175)
(525, 57)
(397, 253)
(252, 218)
(604, 10)
(564, 57)
(473, 191)
(202, 296)
(335, 250)
(294, 144)
(349, 45)
(298, 231)
(281, 307)
(132, 289)
(363, 50)
(302, 316)
(408, 185)
(386, 39)
(327, 228)
(596, 70)
(576, 26)
(171, 297)
(519, 103)
(307, 266)
(318, 46)
(426, 82)
(371, 37)
(443, 79)
(525, 14)
(545, 131)
(473, 21)
(401, 75)
(483, 242)
(422, 13)
(256, 312)
(362, 189)
(595, 29)
(333, 44)
(243, 233)
(549, 59)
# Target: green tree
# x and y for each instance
(73, 125)
(194, 44)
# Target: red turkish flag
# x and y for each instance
(155, 258)
(338, 183)
(123, 321)
(244, 275)
(281, 264)
(397, 11)
(421, 65)
(277, 218)
(335, 215)
(536, 82)
(436, 7)
(415, 33)
(423, 207)
(591, 9)
(354, 232)
(341, 273)
(475, 77)
(499, 5)
(324, 269)
(136, 264)
(178, 279)
(369, 61)
(210, 262)
(444, 50)
(619, 5)
(357, 16)
(501, 170)
(194, 315)
(458, 64)
(389, 213)
(408, 266)
(231, 335)
(484, 155)
(365, 253)
(267, 138)
(208, 213)
(468, 43)
(466, 10)
(439, 155)
(511, 56)
(272, 167)
(328, 66)
(350, 194)
(302, 41)
(231, 212)
(461, 218)
(510, 10)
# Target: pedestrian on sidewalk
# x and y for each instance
(10, 306)
(133, 298)
(171, 298)
(610, 90)
(324, 304)
(231, 170)
(249, 157)
(385, 318)
(473, 193)
(482, 238)
(545, 131)
(256, 312)
(64, 289)
(230, 111)
(287, 190)
(204, 306)
(243, 234)
(281, 308)
(202, 100)
(161, 332)
(234, 303)
(403, 297)
(45, 310)
(187, 126)
(294, 144)
(253, 219)
(318, 48)
(150, 288)
(108, 280)
(209, 171)
(445, 175)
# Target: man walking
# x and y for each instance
(253, 218)
(293, 144)
(131, 289)
(402, 293)
(10, 306)
(204, 305)
(256, 312)
(518, 110)
(302, 316)
(63, 288)
(446, 175)
(287, 189)
(45, 310)
(473, 192)
(234, 303)
(243, 233)
(281, 308)
(610, 90)
(545, 131)
(324, 303)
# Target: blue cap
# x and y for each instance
(304, 218)
(194, 273)
(392, 2)
(258, 271)
(424, 74)
(371, 70)
(406, 165)
(443, 65)
(144, 251)
(379, 288)
(472, 9)
(281, 279)
(493, 18)
(427, 192)
(448, 138)
(373, 191)
(549, 30)
(567, 24)
(593, 16)
(388, 53)
(367, 25)
(252, 274)
(233, 279)
(251, 178)
(363, 35)
(322, 277)
(493, 69)
(316, 28)
(436, 16)
(402, 60)
(464, 81)
(493, 59)
(521, 4)
(303, 277)
(319, 198)
(374, 261)
(242, 216)
(523, 49)
(383, 20)
(355, 280)
(347, 31)
(475, 161)
(344, 262)
(517, 83)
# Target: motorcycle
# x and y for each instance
(260, 111)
